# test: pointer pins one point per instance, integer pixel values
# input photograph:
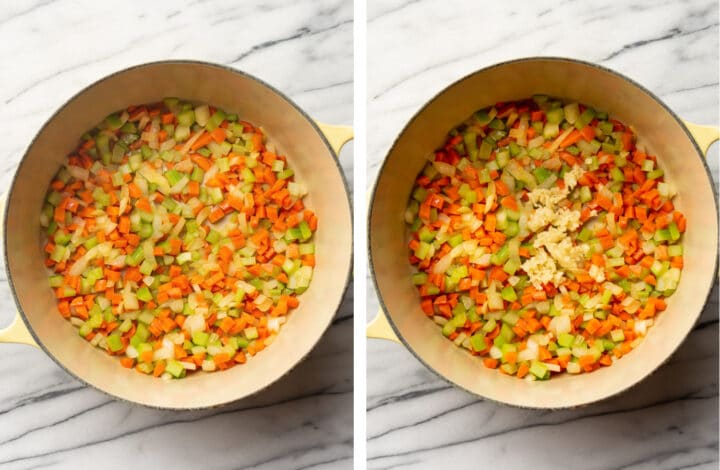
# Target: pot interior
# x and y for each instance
(658, 130)
(286, 126)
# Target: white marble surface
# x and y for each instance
(416, 420)
(52, 49)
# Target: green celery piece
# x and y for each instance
(114, 342)
(454, 240)
(585, 118)
(555, 116)
(186, 118)
(305, 232)
(293, 234)
(56, 281)
(616, 174)
(144, 294)
(426, 235)
(500, 256)
(566, 340)
(58, 253)
(200, 338)
(417, 278)
(113, 121)
(449, 328)
(419, 194)
(197, 174)
(541, 174)
(62, 238)
(506, 332)
(508, 293)
(584, 234)
(512, 229)
(489, 326)
(486, 148)
(85, 329)
(285, 174)
(654, 174)
(538, 369)
(482, 117)
(173, 177)
(477, 341)
(511, 266)
(514, 149)
(215, 120)
(213, 237)
(470, 141)
(102, 142)
(422, 250)
(174, 368)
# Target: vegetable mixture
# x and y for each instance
(177, 238)
(545, 239)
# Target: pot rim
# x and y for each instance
(422, 109)
(191, 62)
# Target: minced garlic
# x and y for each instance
(543, 268)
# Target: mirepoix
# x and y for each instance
(545, 239)
(177, 238)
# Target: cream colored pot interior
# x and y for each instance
(294, 134)
(658, 130)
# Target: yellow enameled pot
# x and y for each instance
(312, 149)
(680, 147)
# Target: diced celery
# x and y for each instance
(508, 294)
(555, 115)
(251, 332)
(477, 341)
(213, 236)
(538, 369)
(675, 250)
(426, 235)
(146, 317)
(541, 174)
(114, 342)
(566, 340)
(449, 328)
(617, 335)
(655, 174)
(186, 118)
(616, 174)
(486, 148)
(489, 326)
(144, 294)
(174, 368)
(200, 338)
(215, 120)
(500, 256)
(305, 232)
(417, 278)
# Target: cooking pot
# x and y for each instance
(312, 150)
(680, 148)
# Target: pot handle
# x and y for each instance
(704, 136)
(337, 136)
(17, 332)
(379, 328)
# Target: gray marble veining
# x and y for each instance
(52, 49)
(415, 419)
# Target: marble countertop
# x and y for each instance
(415, 419)
(51, 50)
